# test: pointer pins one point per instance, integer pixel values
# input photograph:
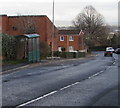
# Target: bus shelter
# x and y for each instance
(28, 47)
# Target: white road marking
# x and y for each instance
(69, 86)
(36, 99)
(75, 83)
(65, 87)
(39, 98)
(95, 74)
(101, 72)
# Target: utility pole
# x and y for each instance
(53, 32)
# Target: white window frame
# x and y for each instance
(71, 48)
(61, 38)
(71, 38)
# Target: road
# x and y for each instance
(87, 82)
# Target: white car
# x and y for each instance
(117, 51)
(109, 51)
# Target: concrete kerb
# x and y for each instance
(42, 64)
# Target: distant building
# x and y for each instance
(11, 25)
(71, 40)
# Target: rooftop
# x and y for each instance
(28, 16)
(24, 15)
(69, 32)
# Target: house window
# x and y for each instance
(61, 38)
(71, 48)
(71, 38)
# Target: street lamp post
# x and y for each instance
(53, 32)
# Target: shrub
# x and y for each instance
(69, 54)
(63, 54)
(57, 54)
(81, 54)
(63, 49)
(44, 50)
(8, 46)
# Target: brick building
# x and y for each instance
(12, 25)
(71, 40)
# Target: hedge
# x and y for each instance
(8, 46)
(69, 54)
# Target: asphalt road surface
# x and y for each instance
(87, 82)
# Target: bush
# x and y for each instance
(44, 50)
(57, 54)
(8, 46)
(63, 49)
(69, 54)
(81, 54)
(63, 54)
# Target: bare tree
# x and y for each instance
(92, 23)
(26, 24)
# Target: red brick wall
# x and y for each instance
(11, 24)
(41, 26)
(49, 32)
(77, 43)
(44, 27)
(3, 23)
(41, 21)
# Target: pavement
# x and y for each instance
(11, 68)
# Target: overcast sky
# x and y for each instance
(65, 10)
